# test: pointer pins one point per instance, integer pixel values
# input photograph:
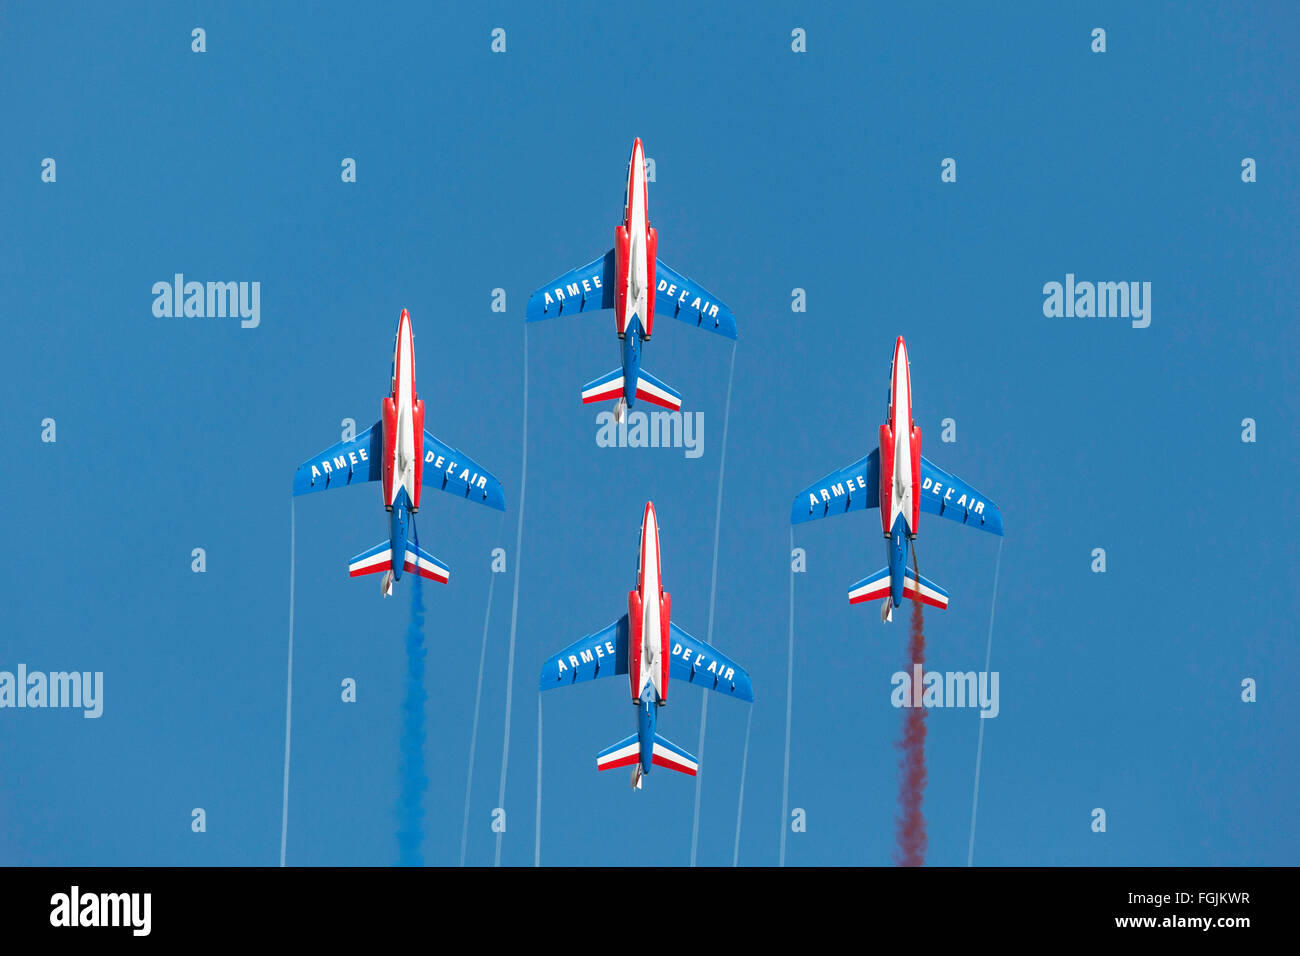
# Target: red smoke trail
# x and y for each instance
(912, 840)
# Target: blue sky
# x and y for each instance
(774, 171)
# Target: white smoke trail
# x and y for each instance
(789, 691)
(740, 807)
(979, 748)
(288, 700)
(514, 608)
(537, 845)
(713, 590)
(478, 699)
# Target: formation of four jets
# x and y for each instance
(644, 644)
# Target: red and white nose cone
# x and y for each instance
(649, 551)
(403, 358)
(635, 208)
(637, 161)
(900, 396)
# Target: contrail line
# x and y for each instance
(537, 844)
(979, 748)
(740, 807)
(789, 690)
(514, 608)
(288, 701)
(478, 698)
(713, 591)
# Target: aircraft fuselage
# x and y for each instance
(403, 424)
(649, 612)
(900, 472)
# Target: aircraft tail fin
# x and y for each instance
(919, 588)
(421, 562)
(613, 385)
(622, 754)
(668, 754)
(379, 558)
(606, 388)
(871, 588)
(627, 753)
(916, 587)
(650, 389)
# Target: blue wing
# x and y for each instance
(949, 497)
(582, 290)
(347, 463)
(597, 655)
(447, 469)
(854, 488)
(695, 662)
(687, 300)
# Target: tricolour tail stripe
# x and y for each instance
(623, 754)
(425, 565)
(650, 389)
(608, 386)
(668, 754)
(379, 558)
(870, 588)
(923, 590)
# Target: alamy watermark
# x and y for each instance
(131, 911)
(946, 689)
(1102, 300)
(208, 300)
(82, 690)
(656, 429)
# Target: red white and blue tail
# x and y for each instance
(871, 588)
(915, 587)
(650, 389)
(668, 754)
(919, 588)
(606, 388)
(613, 385)
(421, 562)
(627, 752)
(623, 754)
(415, 561)
(379, 558)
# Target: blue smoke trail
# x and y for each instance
(410, 806)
